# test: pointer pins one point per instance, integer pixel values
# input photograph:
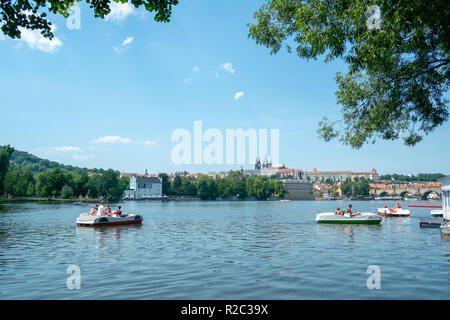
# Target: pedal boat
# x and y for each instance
(436, 213)
(363, 218)
(393, 212)
(87, 220)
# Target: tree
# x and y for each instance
(397, 71)
(81, 184)
(347, 188)
(110, 187)
(17, 182)
(31, 15)
(165, 183)
(93, 186)
(5, 154)
(207, 188)
(66, 192)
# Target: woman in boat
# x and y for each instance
(93, 210)
(338, 211)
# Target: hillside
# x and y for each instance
(37, 165)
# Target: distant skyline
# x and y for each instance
(109, 95)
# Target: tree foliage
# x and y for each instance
(32, 15)
(355, 188)
(234, 185)
(5, 154)
(397, 74)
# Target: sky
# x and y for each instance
(110, 93)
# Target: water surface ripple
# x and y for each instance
(220, 250)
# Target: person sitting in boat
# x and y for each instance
(349, 210)
(101, 209)
(93, 210)
(398, 206)
(338, 212)
(107, 210)
(118, 212)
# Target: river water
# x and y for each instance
(220, 250)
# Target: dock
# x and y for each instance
(431, 223)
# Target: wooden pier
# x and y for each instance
(431, 223)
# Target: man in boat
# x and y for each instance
(349, 210)
(119, 212)
(101, 208)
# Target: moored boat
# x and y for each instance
(436, 213)
(87, 220)
(393, 212)
(362, 218)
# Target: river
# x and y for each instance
(220, 250)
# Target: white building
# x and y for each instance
(144, 188)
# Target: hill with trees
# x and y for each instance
(35, 164)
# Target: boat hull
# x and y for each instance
(389, 212)
(364, 218)
(86, 220)
(437, 213)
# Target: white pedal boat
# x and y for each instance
(436, 213)
(87, 220)
(445, 229)
(363, 218)
(393, 212)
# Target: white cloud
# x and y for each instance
(228, 67)
(150, 143)
(112, 139)
(68, 149)
(238, 95)
(128, 40)
(196, 69)
(36, 40)
(123, 45)
(119, 11)
(187, 80)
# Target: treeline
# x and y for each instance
(235, 184)
(421, 177)
(37, 165)
(18, 181)
(355, 188)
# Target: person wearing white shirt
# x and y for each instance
(101, 208)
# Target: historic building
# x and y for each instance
(144, 188)
(336, 176)
(298, 189)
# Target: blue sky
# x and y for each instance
(134, 81)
